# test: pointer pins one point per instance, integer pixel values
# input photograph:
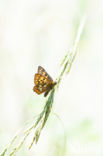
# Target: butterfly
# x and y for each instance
(43, 82)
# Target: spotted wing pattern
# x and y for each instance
(41, 84)
(42, 72)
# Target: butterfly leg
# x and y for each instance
(46, 93)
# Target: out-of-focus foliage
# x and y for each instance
(40, 32)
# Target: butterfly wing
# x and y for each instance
(35, 89)
(42, 84)
(42, 72)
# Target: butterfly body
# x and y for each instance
(43, 82)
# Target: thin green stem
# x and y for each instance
(43, 117)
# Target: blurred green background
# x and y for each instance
(34, 33)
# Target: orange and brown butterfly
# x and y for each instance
(43, 82)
